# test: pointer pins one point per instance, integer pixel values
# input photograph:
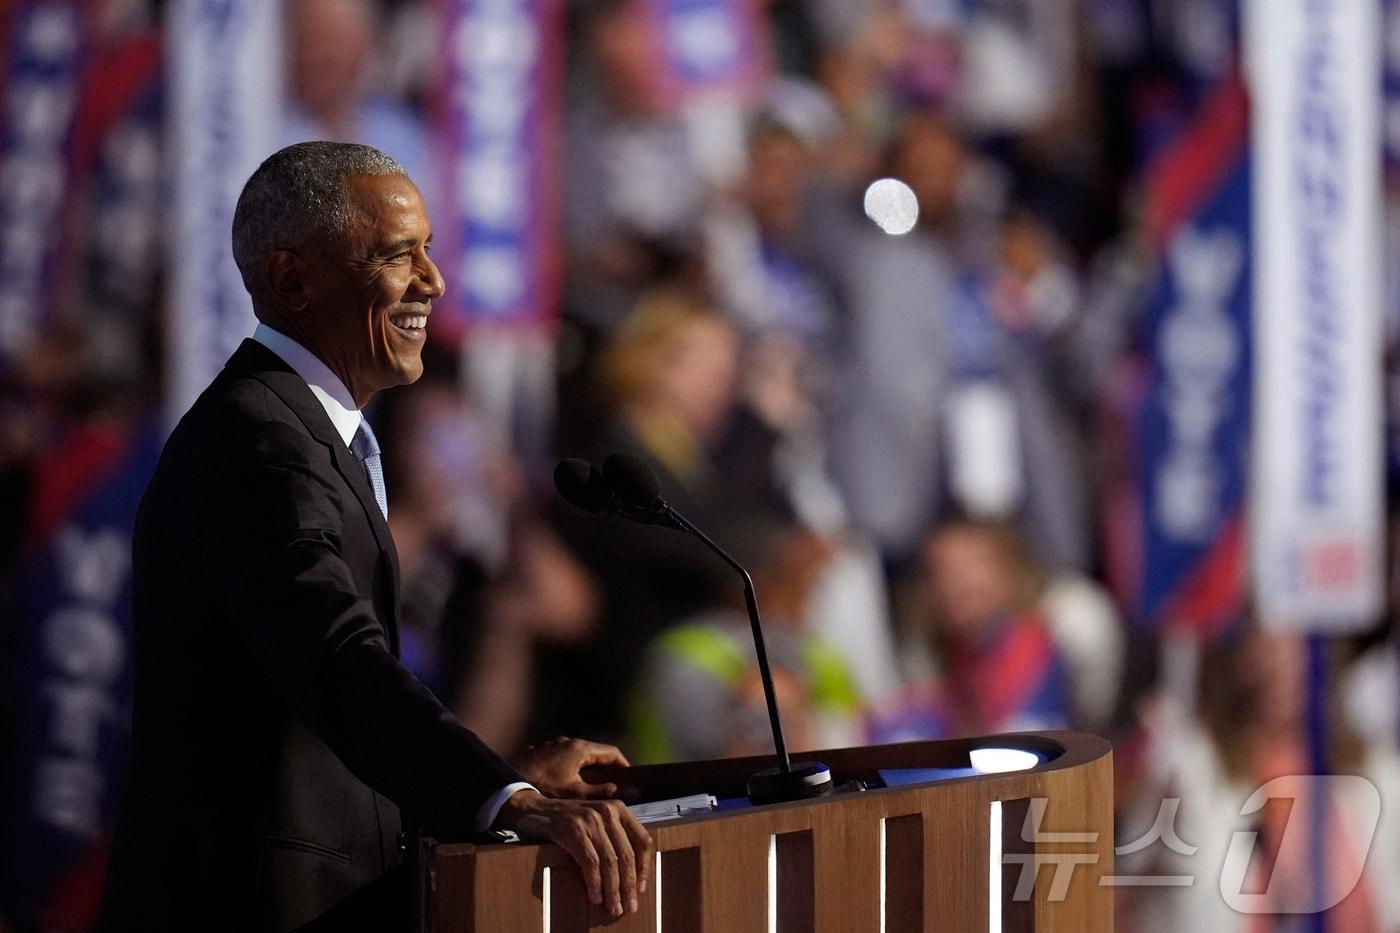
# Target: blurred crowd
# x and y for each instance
(909, 440)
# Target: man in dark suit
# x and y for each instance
(282, 757)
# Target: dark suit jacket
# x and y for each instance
(276, 737)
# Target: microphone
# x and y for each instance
(633, 484)
(583, 487)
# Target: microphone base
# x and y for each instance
(807, 779)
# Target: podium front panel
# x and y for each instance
(919, 857)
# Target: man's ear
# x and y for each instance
(286, 279)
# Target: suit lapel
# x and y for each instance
(268, 368)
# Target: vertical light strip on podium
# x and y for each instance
(773, 884)
(882, 874)
(544, 896)
(994, 887)
(656, 887)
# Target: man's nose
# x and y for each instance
(431, 278)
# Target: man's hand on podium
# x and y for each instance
(554, 767)
(610, 846)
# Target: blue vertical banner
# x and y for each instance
(42, 49)
(1184, 521)
(66, 676)
(496, 149)
(71, 678)
(225, 73)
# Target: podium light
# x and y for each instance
(1002, 760)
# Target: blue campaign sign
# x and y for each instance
(705, 39)
(707, 45)
(496, 146)
(65, 757)
(1194, 422)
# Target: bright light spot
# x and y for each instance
(1001, 760)
(884, 880)
(548, 912)
(994, 860)
(772, 884)
(892, 205)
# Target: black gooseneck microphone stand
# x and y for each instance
(636, 487)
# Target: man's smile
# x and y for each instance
(410, 323)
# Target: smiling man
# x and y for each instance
(282, 757)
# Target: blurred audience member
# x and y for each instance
(1035, 294)
(334, 83)
(1089, 633)
(787, 307)
(863, 47)
(632, 190)
(1018, 64)
(1368, 692)
(669, 377)
(981, 655)
(544, 600)
(941, 405)
(485, 584)
(452, 494)
(670, 373)
(793, 295)
(893, 366)
(700, 695)
(1199, 767)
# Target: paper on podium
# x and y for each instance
(673, 808)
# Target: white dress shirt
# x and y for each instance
(346, 418)
(324, 384)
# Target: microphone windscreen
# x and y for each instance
(581, 485)
(632, 480)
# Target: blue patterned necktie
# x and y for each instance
(365, 447)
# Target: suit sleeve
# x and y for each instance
(278, 570)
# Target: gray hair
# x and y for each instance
(297, 197)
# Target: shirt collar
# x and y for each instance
(324, 384)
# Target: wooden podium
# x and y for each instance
(925, 856)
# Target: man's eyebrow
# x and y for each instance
(402, 244)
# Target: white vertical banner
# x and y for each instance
(1316, 496)
(225, 74)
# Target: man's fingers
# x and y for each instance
(608, 862)
(585, 791)
(642, 845)
(626, 857)
(579, 844)
(596, 753)
(613, 851)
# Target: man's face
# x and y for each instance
(371, 292)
